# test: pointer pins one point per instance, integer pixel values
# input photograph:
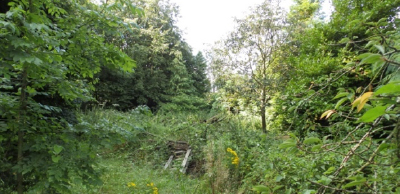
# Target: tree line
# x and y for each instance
(58, 57)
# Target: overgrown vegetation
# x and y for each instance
(93, 94)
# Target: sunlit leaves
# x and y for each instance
(360, 101)
(327, 114)
(368, 41)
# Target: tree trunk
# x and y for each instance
(263, 105)
(263, 121)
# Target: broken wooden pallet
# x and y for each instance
(179, 149)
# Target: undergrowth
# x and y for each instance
(123, 173)
(230, 154)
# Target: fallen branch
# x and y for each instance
(355, 147)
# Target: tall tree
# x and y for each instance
(254, 51)
(166, 67)
(51, 50)
(197, 67)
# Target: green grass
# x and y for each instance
(140, 155)
(121, 169)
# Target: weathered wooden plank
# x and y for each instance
(168, 162)
(185, 161)
(180, 152)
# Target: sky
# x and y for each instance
(207, 21)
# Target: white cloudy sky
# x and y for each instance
(206, 21)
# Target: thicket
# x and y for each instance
(59, 56)
(337, 93)
(302, 103)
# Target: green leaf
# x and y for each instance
(342, 94)
(355, 183)
(330, 170)
(370, 58)
(39, 27)
(312, 140)
(380, 48)
(57, 149)
(391, 88)
(383, 146)
(292, 135)
(372, 114)
(340, 102)
(325, 180)
(288, 144)
(279, 178)
(292, 108)
(386, 116)
(55, 158)
(344, 40)
(261, 188)
(277, 188)
(30, 90)
(316, 148)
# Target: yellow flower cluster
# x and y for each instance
(132, 184)
(235, 159)
(155, 189)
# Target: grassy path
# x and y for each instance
(122, 175)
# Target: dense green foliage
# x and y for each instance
(57, 56)
(51, 52)
(167, 71)
(335, 66)
(91, 95)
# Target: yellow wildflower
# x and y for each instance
(235, 159)
(155, 190)
(131, 184)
